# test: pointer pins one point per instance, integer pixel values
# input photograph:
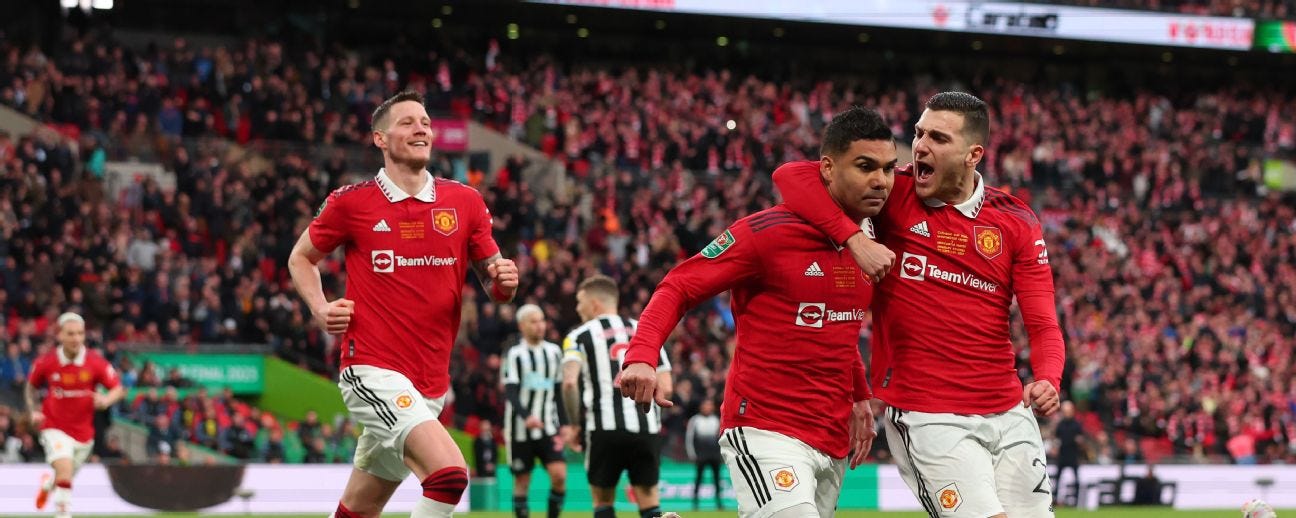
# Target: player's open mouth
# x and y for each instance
(923, 172)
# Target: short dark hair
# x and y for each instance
(856, 123)
(975, 112)
(600, 286)
(380, 112)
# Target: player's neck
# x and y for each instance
(532, 343)
(966, 188)
(406, 178)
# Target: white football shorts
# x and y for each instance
(388, 406)
(972, 466)
(775, 475)
(59, 445)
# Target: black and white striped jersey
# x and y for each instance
(600, 345)
(536, 371)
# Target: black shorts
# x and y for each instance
(610, 453)
(522, 454)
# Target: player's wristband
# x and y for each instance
(498, 294)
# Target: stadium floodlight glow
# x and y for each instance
(68, 4)
(104, 5)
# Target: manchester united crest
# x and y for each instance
(445, 221)
(989, 241)
(404, 400)
(949, 498)
(785, 478)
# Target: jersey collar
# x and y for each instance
(78, 361)
(394, 193)
(972, 206)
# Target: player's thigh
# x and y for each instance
(550, 453)
(770, 472)
(1021, 473)
(80, 454)
(829, 486)
(429, 448)
(367, 494)
(58, 445)
(389, 407)
(944, 463)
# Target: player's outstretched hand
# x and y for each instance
(1042, 397)
(639, 382)
(336, 316)
(873, 258)
(504, 272)
(862, 432)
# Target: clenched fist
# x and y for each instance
(335, 316)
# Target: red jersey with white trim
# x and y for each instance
(406, 258)
(940, 318)
(799, 303)
(69, 405)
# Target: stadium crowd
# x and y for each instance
(1178, 326)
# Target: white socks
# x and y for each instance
(429, 508)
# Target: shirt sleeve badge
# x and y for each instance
(718, 245)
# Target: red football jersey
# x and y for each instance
(799, 303)
(69, 405)
(407, 258)
(940, 318)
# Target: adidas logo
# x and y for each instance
(382, 226)
(814, 270)
(920, 229)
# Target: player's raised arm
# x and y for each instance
(731, 258)
(804, 193)
(1033, 285)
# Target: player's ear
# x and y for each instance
(825, 169)
(975, 154)
(380, 139)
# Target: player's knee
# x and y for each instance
(558, 478)
(801, 510)
(446, 485)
